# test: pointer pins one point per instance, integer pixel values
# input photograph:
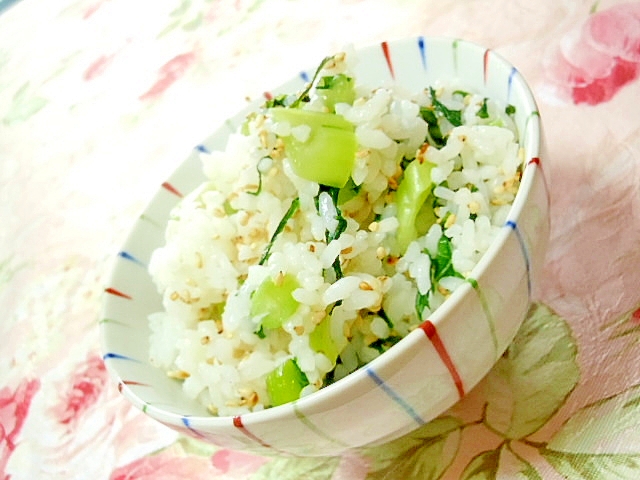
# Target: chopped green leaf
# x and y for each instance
(334, 193)
(277, 101)
(305, 93)
(462, 93)
(295, 204)
(383, 315)
(259, 170)
(435, 136)
(510, 109)
(483, 112)
(442, 264)
(422, 302)
(384, 344)
(260, 332)
(453, 116)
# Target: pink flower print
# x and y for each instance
(97, 67)
(14, 408)
(166, 465)
(85, 389)
(236, 463)
(596, 60)
(169, 73)
(92, 9)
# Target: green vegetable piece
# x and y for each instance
(483, 112)
(336, 89)
(274, 300)
(304, 95)
(384, 344)
(278, 101)
(453, 116)
(293, 208)
(322, 342)
(435, 136)
(412, 193)
(327, 156)
(442, 265)
(348, 192)
(285, 383)
(422, 302)
(334, 193)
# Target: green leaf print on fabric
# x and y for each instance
(601, 440)
(296, 468)
(500, 463)
(626, 327)
(580, 466)
(25, 103)
(425, 453)
(7, 270)
(618, 416)
(196, 447)
(534, 377)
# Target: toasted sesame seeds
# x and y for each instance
(450, 221)
(178, 374)
(474, 207)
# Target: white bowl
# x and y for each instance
(425, 373)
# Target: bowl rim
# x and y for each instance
(314, 402)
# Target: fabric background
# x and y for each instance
(101, 99)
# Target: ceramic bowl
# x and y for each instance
(426, 372)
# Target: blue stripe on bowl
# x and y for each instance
(131, 258)
(514, 72)
(525, 252)
(409, 410)
(423, 52)
(117, 356)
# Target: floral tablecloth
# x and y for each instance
(101, 99)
